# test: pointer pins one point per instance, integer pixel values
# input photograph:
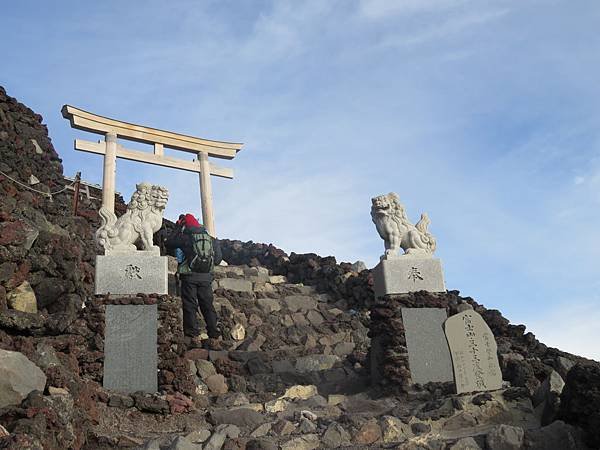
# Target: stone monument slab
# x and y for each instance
(474, 353)
(130, 352)
(428, 354)
(408, 274)
(131, 273)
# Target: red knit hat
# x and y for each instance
(190, 221)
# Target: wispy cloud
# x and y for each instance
(377, 9)
(443, 28)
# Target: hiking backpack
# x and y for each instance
(202, 244)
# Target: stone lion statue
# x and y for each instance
(143, 218)
(391, 222)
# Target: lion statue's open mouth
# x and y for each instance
(397, 232)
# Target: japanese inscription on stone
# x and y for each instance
(130, 354)
(473, 350)
(415, 274)
(133, 272)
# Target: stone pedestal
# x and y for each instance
(130, 352)
(131, 274)
(404, 274)
(428, 354)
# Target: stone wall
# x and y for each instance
(42, 246)
(340, 281)
(525, 362)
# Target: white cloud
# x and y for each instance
(443, 29)
(377, 9)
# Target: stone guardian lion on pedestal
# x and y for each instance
(397, 232)
(143, 218)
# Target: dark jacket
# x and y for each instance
(182, 238)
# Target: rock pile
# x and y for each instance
(351, 282)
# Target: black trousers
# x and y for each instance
(198, 294)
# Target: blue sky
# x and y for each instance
(485, 115)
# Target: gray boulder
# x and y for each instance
(18, 377)
(557, 435)
(505, 437)
(467, 443)
(313, 363)
(336, 436)
(182, 443)
(243, 417)
(301, 303)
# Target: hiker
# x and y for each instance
(178, 253)
(202, 252)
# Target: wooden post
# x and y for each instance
(206, 194)
(110, 167)
(76, 195)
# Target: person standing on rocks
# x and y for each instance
(202, 253)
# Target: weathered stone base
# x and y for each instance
(428, 354)
(408, 274)
(130, 351)
(131, 274)
(388, 359)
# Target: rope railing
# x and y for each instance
(49, 194)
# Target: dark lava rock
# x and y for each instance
(514, 393)
(151, 403)
(25, 323)
(580, 401)
(482, 399)
(521, 374)
(420, 428)
(557, 435)
(120, 401)
(436, 409)
(242, 417)
(262, 444)
(257, 366)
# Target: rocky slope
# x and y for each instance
(292, 371)
(42, 246)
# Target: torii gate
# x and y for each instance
(113, 129)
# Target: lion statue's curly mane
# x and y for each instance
(143, 218)
(393, 226)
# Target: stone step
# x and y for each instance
(261, 373)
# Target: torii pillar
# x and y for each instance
(206, 194)
(111, 149)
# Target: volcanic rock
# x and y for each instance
(505, 437)
(580, 400)
(22, 298)
(243, 417)
(306, 442)
(19, 377)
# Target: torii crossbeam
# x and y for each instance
(111, 149)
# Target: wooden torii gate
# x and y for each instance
(111, 149)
